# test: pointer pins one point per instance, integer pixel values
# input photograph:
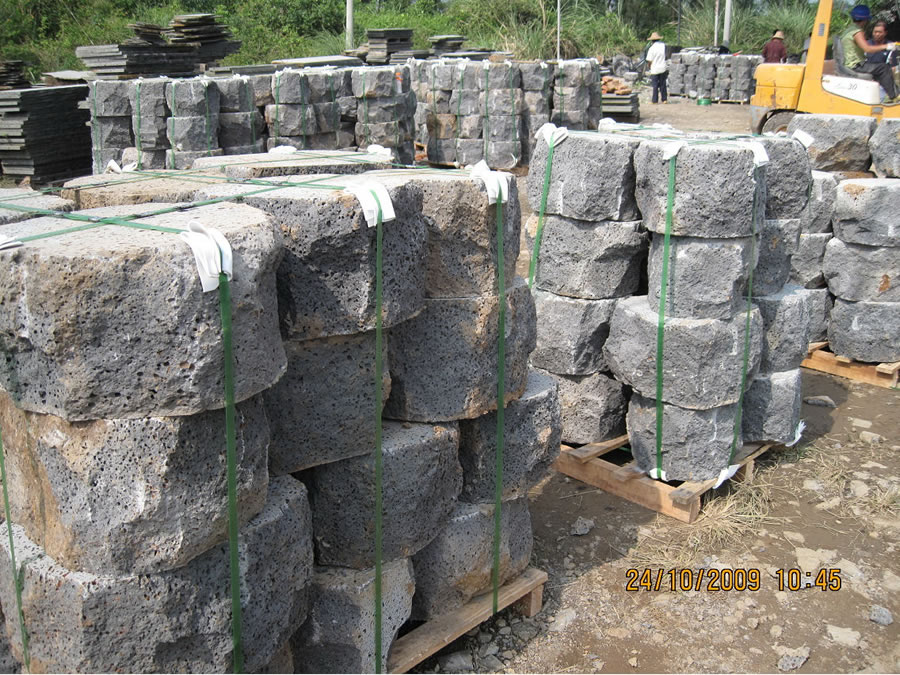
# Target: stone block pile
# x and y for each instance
(111, 111)
(725, 77)
(149, 115)
(241, 126)
(193, 126)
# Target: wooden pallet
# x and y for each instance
(525, 592)
(879, 374)
(629, 482)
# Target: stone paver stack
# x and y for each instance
(115, 460)
(592, 252)
(193, 126)
(725, 77)
(111, 111)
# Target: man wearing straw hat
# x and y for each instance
(774, 50)
(656, 57)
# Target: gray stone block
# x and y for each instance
(707, 278)
(442, 75)
(532, 433)
(148, 468)
(702, 358)
(820, 211)
(536, 102)
(593, 407)
(862, 273)
(840, 142)
(328, 116)
(470, 126)
(778, 241)
(865, 331)
(328, 84)
(8, 663)
(387, 134)
(149, 99)
(884, 145)
(571, 333)
(109, 98)
(572, 119)
(571, 98)
(592, 178)
(291, 120)
(537, 76)
(193, 133)
(573, 73)
(240, 129)
(172, 621)
(441, 126)
(444, 361)
(184, 159)
(144, 159)
(28, 198)
(703, 207)
(381, 110)
(441, 151)
(197, 96)
(469, 151)
(100, 158)
(772, 407)
(457, 565)
(865, 211)
(326, 282)
(290, 86)
(463, 102)
(371, 82)
(503, 155)
(422, 480)
(786, 317)
(696, 444)
(111, 132)
(338, 637)
(806, 263)
(148, 340)
(235, 95)
(322, 410)
(262, 89)
(112, 189)
(787, 177)
(590, 259)
(269, 165)
(150, 132)
(820, 302)
(503, 128)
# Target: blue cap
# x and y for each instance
(860, 13)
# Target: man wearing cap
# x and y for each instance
(856, 47)
(656, 58)
(774, 50)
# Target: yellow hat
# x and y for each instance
(655, 36)
(779, 34)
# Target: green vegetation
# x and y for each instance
(44, 33)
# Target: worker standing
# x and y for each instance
(856, 48)
(774, 50)
(659, 72)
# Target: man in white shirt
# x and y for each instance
(656, 58)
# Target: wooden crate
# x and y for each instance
(824, 361)
(525, 592)
(682, 502)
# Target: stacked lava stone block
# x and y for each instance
(592, 252)
(385, 109)
(115, 459)
(242, 129)
(725, 77)
(149, 115)
(577, 94)
(537, 98)
(110, 106)
(705, 345)
(193, 127)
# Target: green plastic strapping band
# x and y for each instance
(532, 268)
(501, 400)
(231, 460)
(660, 324)
(758, 174)
(17, 578)
(137, 131)
(379, 241)
(487, 115)
(277, 106)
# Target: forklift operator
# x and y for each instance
(856, 47)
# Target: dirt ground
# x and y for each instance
(832, 502)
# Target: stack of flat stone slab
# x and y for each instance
(193, 127)
(705, 319)
(724, 77)
(110, 104)
(115, 460)
(592, 252)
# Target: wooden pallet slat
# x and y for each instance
(878, 374)
(525, 592)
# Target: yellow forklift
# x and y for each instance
(815, 86)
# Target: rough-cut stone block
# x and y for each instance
(503, 154)
(592, 177)
(504, 128)
(787, 177)
(422, 480)
(536, 76)
(571, 333)
(696, 444)
(469, 151)
(322, 409)
(573, 73)
(820, 302)
(593, 407)
(23, 199)
(149, 99)
(176, 621)
(328, 84)
(112, 189)
(884, 145)
(148, 468)
(262, 89)
(8, 663)
(441, 151)
(444, 361)
(865, 331)
(184, 159)
(778, 241)
(702, 358)
(862, 273)
(245, 149)
(264, 165)
(820, 209)
(111, 132)
(532, 433)
(236, 129)
(109, 98)
(715, 188)
(590, 259)
(193, 133)
(372, 82)
(840, 142)
(290, 86)
(772, 407)
(144, 159)
(457, 565)
(707, 278)
(118, 325)
(806, 263)
(339, 635)
(196, 96)
(785, 318)
(866, 212)
(326, 282)
(291, 120)
(150, 132)
(536, 102)
(235, 95)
